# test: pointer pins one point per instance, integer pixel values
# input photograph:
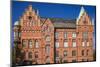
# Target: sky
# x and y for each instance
(52, 10)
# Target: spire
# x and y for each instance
(81, 13)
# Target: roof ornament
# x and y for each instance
(16, 23)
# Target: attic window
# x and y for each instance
(30, 17)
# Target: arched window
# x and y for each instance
(30, 55)
(36, 44)
(65, 53)
(48, 38)
(87, 52)
(24, 43)
(36, 54)
(30, 44)
(47, 49)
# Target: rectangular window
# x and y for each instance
(85, 35)
(87, 52)
(82, 52)
(30, 44)
(36, 44)
(56, 35)
(19, 34)
(57, 44)
(65, 44)
(30, 55)
(74, 34)
(88, 44)
(24, 43)
(83, 43)
(74, 53)
(16, 34)
(36, 55)
(65, 35)
(47, 49)
(74, 44)
(57, 53)
(65, 53)
(48, 60)
(74, 61)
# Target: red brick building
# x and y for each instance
(53, 40)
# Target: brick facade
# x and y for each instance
(43, 41)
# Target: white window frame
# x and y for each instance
(48, 38)
(88, 44)
(57, 44)
(65, 44)
(83, 43)
(36, 44)
(56, 35)
(74, 34)
(74, 44)
(30, 44)
(65, 35)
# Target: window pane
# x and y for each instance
(30, 43)
(83, 44)
(30, 55)
(36, 54)
(47, 60)
(36, 44)
(73, 53)
(65, 35)
(65, 44)
(65, 53)
(24, 43)
(87, 43)
(47, 38)
(74, 34)
(48, 49)
(87, 52)
(56, 35)
(82, 52)
(57, 44)
(57, 53)
(74, 44)
(85, 35)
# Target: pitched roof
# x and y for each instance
(63, 23)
